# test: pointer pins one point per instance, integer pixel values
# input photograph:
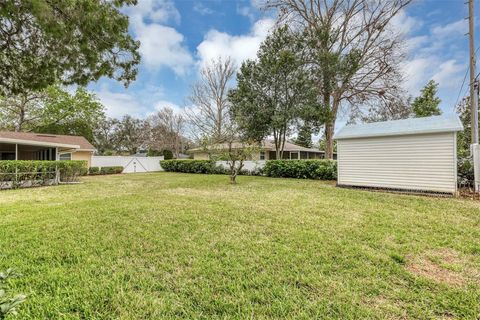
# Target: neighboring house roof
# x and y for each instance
(401, 127)
(53, 140)
(268, 145)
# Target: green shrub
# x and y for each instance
(167, 154)
(301, 169)
(465, 171)
(111, 170)
(30, 173)
(192, 166)
(70, 170)
(105, 170)
(94, 171)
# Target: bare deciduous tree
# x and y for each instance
(210, 108)
(167, 130)
(352, 51)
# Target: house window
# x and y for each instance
(65, 156)
(262, 155)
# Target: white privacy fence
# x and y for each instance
(247, 165)
(130, 164)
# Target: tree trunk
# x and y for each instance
(329, 130)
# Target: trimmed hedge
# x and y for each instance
(105, 170)
(29, 173)
(192, 166)
(301, 169)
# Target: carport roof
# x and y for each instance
(401, 127)
(49, 140)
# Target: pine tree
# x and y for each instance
(426, 104)
(304, 137)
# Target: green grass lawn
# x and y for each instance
(166, 245)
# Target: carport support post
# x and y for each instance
(57, 172)
(16, 151)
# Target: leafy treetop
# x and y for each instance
(44, 41)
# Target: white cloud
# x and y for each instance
(138, 103)
(163, 46)
(164, 103)
(404, 23)
(459, 27)
(202, 9)
(220, 44)
(157, 11)
(246, 11)
(449, 74)
(160, 45)
(432, 55)
(119, 104)
(417, 72)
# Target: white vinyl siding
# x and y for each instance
(424, 162)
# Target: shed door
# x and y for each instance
(424, 162)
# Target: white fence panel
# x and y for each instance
(247, 165)
(129, 164)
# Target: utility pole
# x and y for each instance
(473, 81)
(473, 97)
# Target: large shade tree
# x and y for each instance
(274, 91)
(352, 51)
(53, 110)
(45, 41)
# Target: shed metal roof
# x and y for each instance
(401, 127)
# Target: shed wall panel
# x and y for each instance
(424, 162)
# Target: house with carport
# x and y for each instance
(42, 146)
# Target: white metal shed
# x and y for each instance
(418, 154)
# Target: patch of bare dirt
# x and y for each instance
(443, 266)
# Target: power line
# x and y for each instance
(463, 83)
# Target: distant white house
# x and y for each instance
(418, 154)
(266, 151)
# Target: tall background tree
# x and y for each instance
(53, 110)
(350, 49)
(166, 131)
(427, 104)
(104, 136)
(129, 134)
(75, 42)
(209, 114)
(273, 92)
(304, 136)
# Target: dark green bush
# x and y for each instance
(111, 170)
(105, 170)
(167, 154)
(301, 169)
(70, 170)
(192, 166)
(465, 171)
(93, 171)
(30, 173)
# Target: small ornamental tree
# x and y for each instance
(234, 153)
(426, 104)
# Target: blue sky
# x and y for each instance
(178, 37)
